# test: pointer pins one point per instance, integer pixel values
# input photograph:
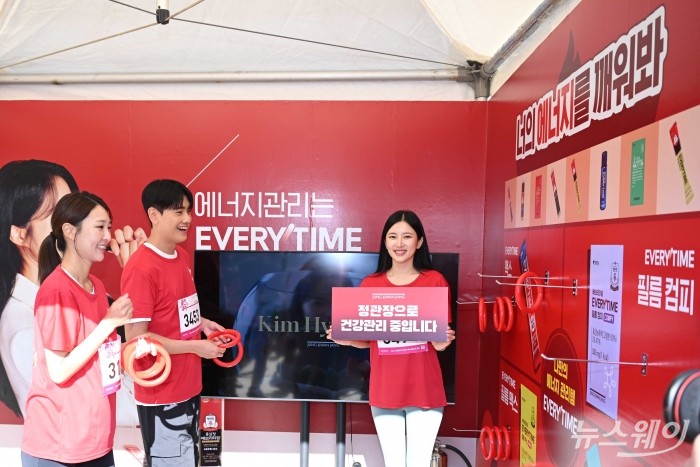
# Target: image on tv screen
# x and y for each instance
(280, 302)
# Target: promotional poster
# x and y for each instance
(269, 179)
(598, 193)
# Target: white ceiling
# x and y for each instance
(252, 42)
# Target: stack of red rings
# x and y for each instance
(502, 314)
(235, 340)
(499, 443)
(153, 375)
(525, 280)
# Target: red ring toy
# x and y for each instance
(156, 373)
(498, 315)
(482, 441)
(482, 315)
(520, 292)
(235, 337)
(506, 439)
(499, 443)
(509, 305)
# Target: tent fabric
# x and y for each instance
(274, 37)
(478, 28)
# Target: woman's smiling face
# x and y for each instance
(402, 242)
(92, 239)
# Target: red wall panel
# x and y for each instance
(370, 158)
(563, 249)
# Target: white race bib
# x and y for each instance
(401, 347)
(109, 354)
(190, 321)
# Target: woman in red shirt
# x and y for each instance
(70, 410)
(406, 392)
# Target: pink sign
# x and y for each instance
(390, 313)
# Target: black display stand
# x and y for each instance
(304, 434)
(339, 434)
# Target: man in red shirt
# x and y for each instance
(159, 281)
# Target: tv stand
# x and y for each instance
(305, 410)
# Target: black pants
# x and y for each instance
(30, 461)
(171, 433)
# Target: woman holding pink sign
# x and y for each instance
(406, 391)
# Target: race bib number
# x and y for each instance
(190, 320)
(109, 354)
(401, 347)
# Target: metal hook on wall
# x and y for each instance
(546, 278)
(574, 287)
(478, 301)
(644, 363)
(472, 430)
(472, 303)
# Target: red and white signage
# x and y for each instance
(390, 313)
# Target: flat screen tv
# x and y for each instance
(280, 302)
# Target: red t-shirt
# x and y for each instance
(406, 380)
(158, 286)
(72, 422)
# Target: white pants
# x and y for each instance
(407, 435)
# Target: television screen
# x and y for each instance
(280, 302)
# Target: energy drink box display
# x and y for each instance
(211, 427)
